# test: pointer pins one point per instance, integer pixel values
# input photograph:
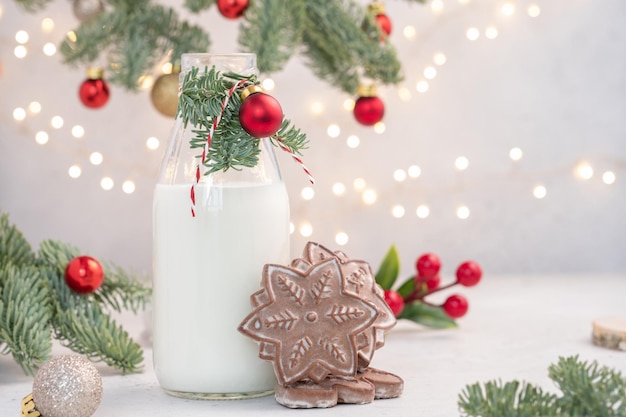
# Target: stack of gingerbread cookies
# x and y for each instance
(319, 322)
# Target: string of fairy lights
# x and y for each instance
(368, 196)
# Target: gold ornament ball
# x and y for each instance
(85, 10)
(164, 94)
(67, 386)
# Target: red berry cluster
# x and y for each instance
(427, 281)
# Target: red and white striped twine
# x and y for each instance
(297, 159)
(207, 144)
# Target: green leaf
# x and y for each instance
(389, 269)
(407, 288)
(426, 315)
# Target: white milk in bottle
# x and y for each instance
(206, 267)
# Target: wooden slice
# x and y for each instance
(610, 332)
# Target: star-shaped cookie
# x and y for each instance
(307, 323)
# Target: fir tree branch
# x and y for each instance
(83, 327)
(14, 247)
(339, 48)
(137, 35)
(200, 102)
(36, 304)
(197, 6)
(272, 29)
(588, 390)
(24, 316)
(339, 39)
(122, 291)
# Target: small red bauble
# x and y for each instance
(232, 9)
(385, 23)
(84, 274)
(260, 115)
(468, 274)
(395, 302)
(94, 91)
(455, 306)
(428, 265)
(369, 110)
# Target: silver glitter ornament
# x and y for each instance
(85, 10)
(67, 386)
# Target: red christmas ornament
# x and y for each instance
(94, 91)
(232, 9)
(84, 274)
(260, 114)
(385, 23)
(368, 108)
(377, 10)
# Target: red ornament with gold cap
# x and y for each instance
(377, 10)
(368, 108)
(94, 91)
(260, 114)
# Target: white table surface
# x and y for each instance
(516, 327)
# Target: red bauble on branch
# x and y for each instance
(232, 9)
(84, 274)
(368, 108)
(377, 10)
(260, 114)
(94, 91)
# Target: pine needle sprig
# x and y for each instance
(82, 326)
(200, 103)
(197, 6)
(36, 305)
(136, 35)
(118, 291)
(273, 30)
(24, 316)
(588, 389)
(14, 247)
(340, 51)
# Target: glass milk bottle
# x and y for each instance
(207, 266)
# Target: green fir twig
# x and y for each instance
(588, 390)
(338, 38)
(36, 305)
(200, 103)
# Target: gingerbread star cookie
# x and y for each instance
(319, 322)
(306, 323)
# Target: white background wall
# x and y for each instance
(554, 85)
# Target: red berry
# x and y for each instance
(468, 274)
(394, 301)
(455, 306)
(431, 283)
(428, 265)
